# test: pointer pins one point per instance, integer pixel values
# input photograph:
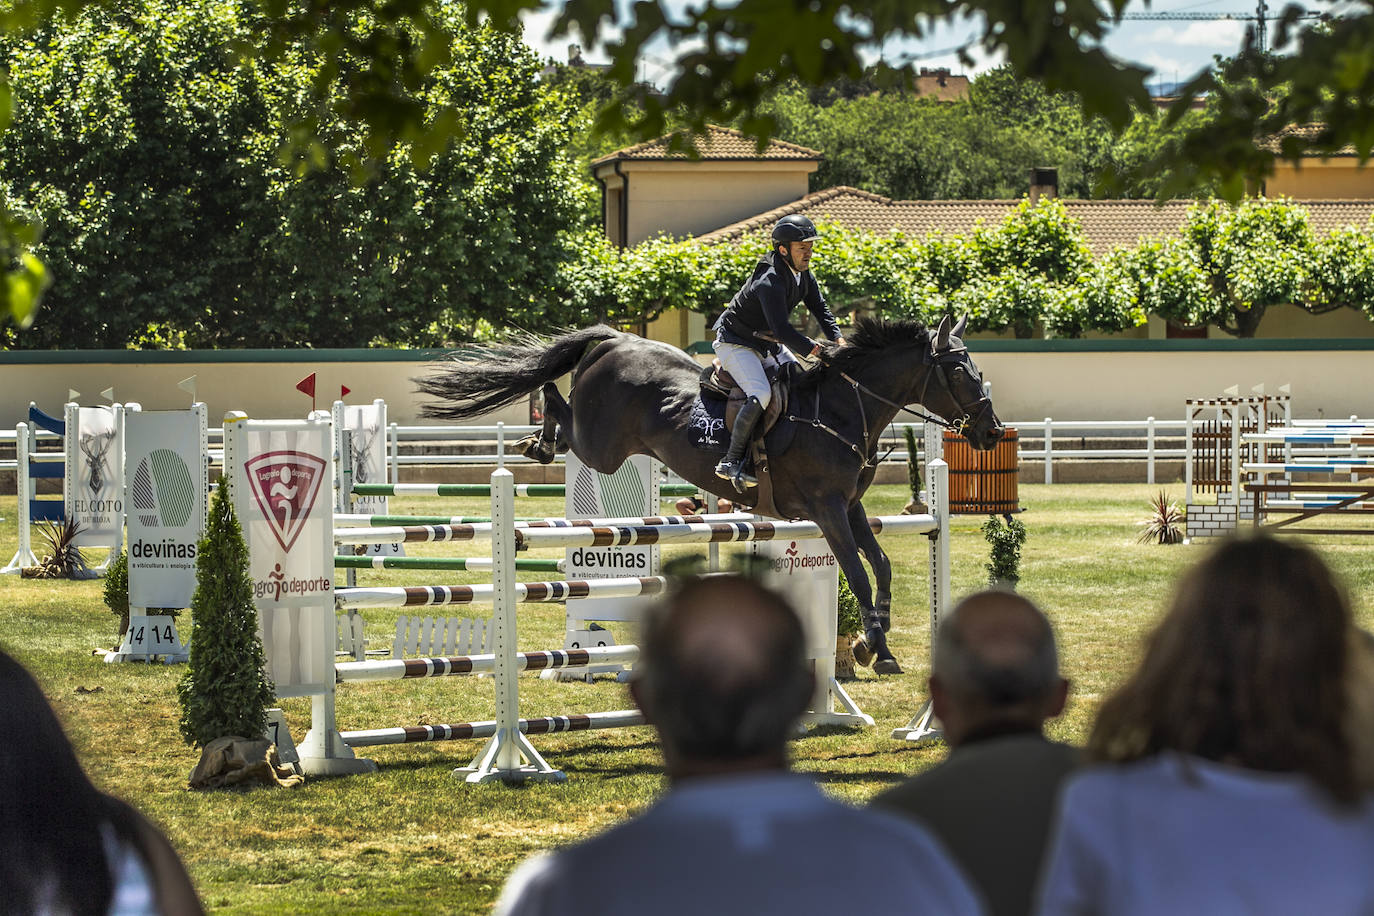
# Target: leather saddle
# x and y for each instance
(719, 384)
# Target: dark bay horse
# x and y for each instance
(634, 396)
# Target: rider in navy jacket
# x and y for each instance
(757, 323)
(759, 316)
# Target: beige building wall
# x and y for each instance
(1118, 385)
(690, 198)
(1128, 383)
(1321, 179)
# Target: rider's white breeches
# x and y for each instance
(746, 365)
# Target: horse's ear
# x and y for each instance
(941, 339)
(959, 327)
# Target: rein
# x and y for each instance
(867, 452)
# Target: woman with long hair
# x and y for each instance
(65, 846)
(1228, 782)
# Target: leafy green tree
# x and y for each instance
(375, 60)
(1253, 256)
(1040, 239)
(225, 690)
(150, 152)
(1341, 274)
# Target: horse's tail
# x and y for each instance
(503, 373)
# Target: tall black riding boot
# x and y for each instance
(731, 467)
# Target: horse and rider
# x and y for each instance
(635, 396)
(757, 327)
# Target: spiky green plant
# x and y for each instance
(225, 690)
(65, 561)
(1164, 523)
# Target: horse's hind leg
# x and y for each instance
(867, 543)
(557, 418)
(833, 520)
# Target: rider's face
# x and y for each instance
(800, 253)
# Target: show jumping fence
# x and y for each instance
(508, 754)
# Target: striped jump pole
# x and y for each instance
(481, 531)
(547, 725)
(361, 519)
(523, 592)
(612, 534)
(1311, 465)
(469, 564)
(707, 532)
(484, 489)
(1312, 437)
(356, 520)
(455, 665)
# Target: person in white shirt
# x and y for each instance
(1227, 781)
(722, 676)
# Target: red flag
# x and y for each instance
(307, 385)
(344, 391)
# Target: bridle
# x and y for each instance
(867, 453)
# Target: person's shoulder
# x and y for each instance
(524, 890)
(983, 761)
(912, 856)
(878, 822)
(539, 884)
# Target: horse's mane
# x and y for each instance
(873, 337)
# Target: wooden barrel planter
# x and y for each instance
(982, 483)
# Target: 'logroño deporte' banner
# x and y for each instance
(282, 493)
(807, 575)
(165, 462)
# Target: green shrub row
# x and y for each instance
(1032, 273)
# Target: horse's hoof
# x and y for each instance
(862, 654)
(536, 449)
(887, 666)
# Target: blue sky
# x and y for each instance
(1174, 50)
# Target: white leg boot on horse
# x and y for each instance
(731, 467)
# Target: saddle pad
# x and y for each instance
(706, 425)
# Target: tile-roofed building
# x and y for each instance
(718, 143)
(651, 188)
(939, 83)
(1106, 224)
(1340, 174)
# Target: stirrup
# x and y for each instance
(735, 473)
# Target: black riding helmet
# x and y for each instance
(794, 228)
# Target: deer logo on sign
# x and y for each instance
(94, 447)
(285, 485)
(362, 453)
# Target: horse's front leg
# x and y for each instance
(868, 544)
(833, 520)
(557, 413)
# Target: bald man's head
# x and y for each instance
(722, 671)
(995, 659)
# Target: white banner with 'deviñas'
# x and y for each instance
(165, 458)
